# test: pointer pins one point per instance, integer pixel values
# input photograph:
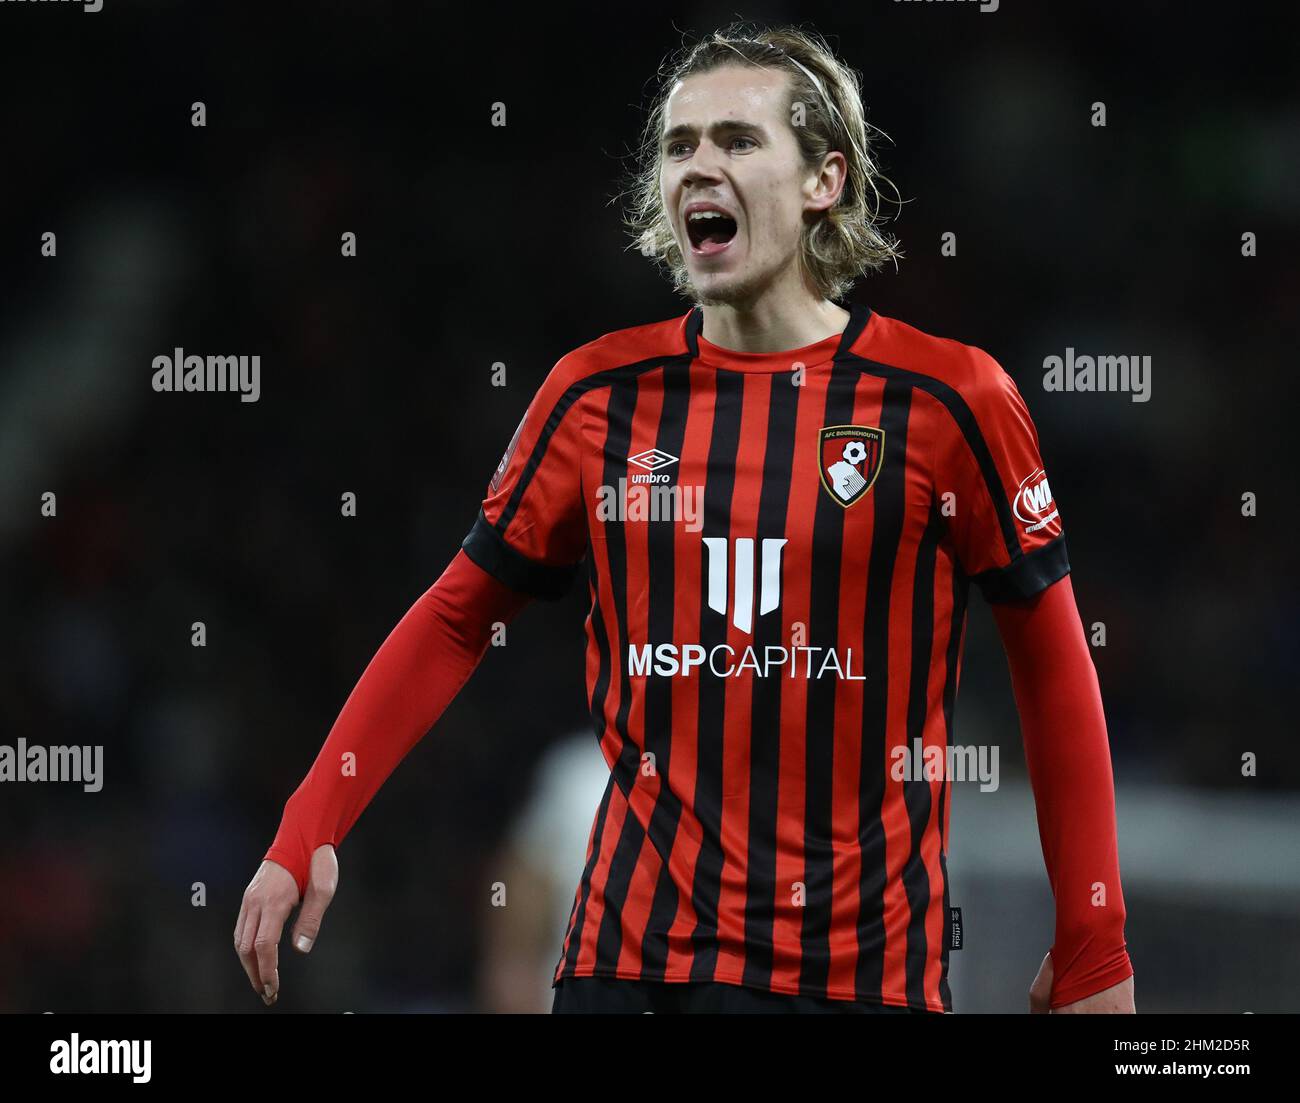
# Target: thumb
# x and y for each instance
(321, 885)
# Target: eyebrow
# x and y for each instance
(685, 130)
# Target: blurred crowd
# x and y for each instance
(478, 244)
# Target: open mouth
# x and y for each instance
(709, 231)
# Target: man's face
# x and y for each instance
(728, 148)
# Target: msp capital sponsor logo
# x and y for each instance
(742, 614)
(1034, 506)
(671, 660)
(740, 588)
(849, 460)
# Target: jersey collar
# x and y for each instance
(859, 316)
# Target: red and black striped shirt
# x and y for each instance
(778, 549)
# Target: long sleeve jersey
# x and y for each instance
(778, 550)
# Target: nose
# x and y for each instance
(703, 165)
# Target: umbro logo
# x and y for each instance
(652, 460)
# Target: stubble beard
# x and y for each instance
(736, 291)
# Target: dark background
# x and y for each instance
(479, 244)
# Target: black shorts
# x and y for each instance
(609, 995)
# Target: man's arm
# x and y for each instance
(414, 675)
(412, 678)
(1068, 755)
(528, 541)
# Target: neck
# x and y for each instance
(772, 324)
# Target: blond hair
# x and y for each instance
(845, 240)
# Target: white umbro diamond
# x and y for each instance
(653, 459)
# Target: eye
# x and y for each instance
(675, 147)
(742, 138)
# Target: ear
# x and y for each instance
(826, 185)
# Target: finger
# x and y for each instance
(307, 928)
(239, 923)
(320, 892)
(244, 946)
(266, 947)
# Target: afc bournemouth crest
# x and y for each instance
(850, 458)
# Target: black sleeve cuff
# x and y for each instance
(1027, 575)
(486, 547)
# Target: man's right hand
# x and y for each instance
(271, 895)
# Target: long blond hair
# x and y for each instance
(848, 238)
